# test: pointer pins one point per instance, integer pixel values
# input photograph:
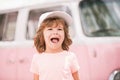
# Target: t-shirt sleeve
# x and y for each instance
(74, 63)
(34, 64)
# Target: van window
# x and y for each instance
(100, 18)
(7, 26)
(32, 24)
(34, 15)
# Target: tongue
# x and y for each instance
(54, 40)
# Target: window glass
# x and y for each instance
(7, 26)
(34, 17)
(100, 18)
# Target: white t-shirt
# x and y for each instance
(58, 66)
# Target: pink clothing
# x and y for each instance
(58, 66)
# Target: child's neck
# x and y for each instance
(53, 50)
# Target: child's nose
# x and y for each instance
(55, 33)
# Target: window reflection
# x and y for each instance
(32, 24)
(100, 18)
(7, 26)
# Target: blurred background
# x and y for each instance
(18, 3)
(95, 33)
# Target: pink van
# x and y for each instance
(95, 34)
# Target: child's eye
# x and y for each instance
(60, 29)
(50, 29)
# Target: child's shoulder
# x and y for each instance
(70, 53)
(36, 55)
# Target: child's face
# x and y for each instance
(54, 37)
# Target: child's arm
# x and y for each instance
(36, 77)
(76, 75)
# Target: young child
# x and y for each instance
(54, 61)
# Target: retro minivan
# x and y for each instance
(95, 33)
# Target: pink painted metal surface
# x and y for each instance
(7, 64)
(103, 59)
(97, 61)
(15, 63)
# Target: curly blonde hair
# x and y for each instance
(39, 41)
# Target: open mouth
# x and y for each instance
(54, 40)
